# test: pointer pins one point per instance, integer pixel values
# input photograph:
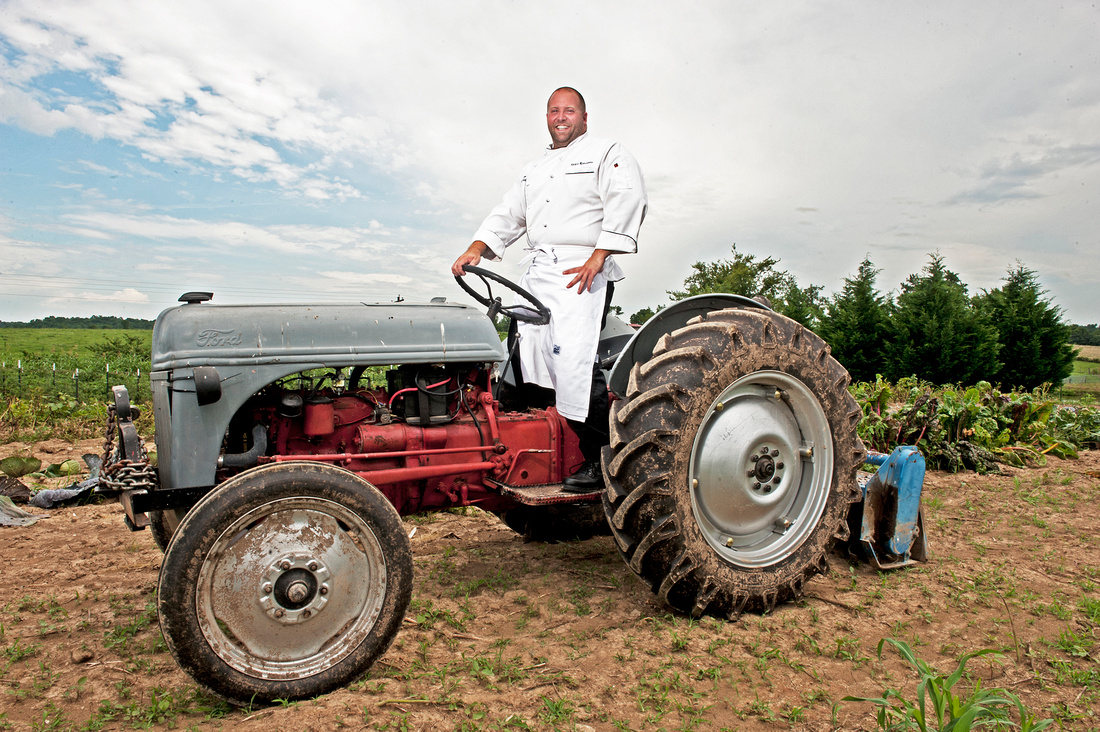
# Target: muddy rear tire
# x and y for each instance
(732, 463)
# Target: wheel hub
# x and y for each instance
(294, 588)
(767, 470)
(757, 489)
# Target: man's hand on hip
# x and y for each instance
(471, 256)
(586, 273)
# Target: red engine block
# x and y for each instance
(421, 468)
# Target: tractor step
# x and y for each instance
(545, 494)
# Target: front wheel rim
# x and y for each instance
(291, 588)
(761, 469)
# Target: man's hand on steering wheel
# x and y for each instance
(536, 312)
(471, 257)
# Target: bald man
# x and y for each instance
(581, 202)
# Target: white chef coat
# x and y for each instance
(587, 195)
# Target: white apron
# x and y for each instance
(560, 355)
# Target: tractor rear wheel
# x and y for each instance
(732, 463)
(287, 581)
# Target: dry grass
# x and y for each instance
(1088, 351)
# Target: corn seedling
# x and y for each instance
(939, 706)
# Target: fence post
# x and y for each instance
(19, 365)
(107, 379)
(55, 378)
(137, 386)
(76, 383)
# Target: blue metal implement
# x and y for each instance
(889, 521)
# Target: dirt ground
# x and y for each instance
(505, 634)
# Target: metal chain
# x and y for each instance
(124, 475)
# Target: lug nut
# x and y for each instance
(279, 612)
(775, 453)
(267, 588)
(754, 458)
(750, 473)
(779, 466)
(755, 485)
(285, 564)
(313, 566)
(306, 613)
(324, 589)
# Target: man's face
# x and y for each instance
(564, 118)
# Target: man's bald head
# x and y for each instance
(570, 90)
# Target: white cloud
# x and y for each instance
(128, 295)
(154, 82)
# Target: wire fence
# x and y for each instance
(85, 378)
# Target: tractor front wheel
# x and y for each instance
(285, 582)
(732, 463)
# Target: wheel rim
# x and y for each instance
(761, 469)
(291, 588)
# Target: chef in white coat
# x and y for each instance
(579, 203)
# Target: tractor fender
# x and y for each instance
(674, 317)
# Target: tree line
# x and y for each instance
(95, 322)
(1085, 335)
(933, 327)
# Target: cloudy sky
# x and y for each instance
(290, 151)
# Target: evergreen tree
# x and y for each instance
(1034, 340)
(940, 335)
(804, 305)
(857, 324)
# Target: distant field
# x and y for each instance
(1088, 351)
(36, 362)
(54, 342)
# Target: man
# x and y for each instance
(578, 204)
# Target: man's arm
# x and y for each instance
(471, 256)
(623, 193)
(504, 224)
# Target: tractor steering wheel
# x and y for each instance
(539, 316)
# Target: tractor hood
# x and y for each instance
(208, 360)
(201, 334)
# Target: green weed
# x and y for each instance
(939, 706)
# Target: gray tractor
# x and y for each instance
(292, 438)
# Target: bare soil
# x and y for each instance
(505, 634)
